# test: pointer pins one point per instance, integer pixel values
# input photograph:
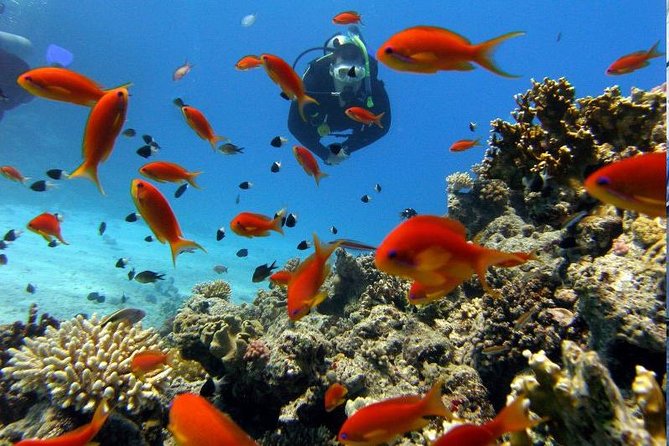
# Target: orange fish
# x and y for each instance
(158, 214)
(634, 61)
(381, 422)
(335, 396)
(347, 18)
(162, 171)
(428, 49)
(48, 226)
(248, 62)
(434, 251)
(194, 421)
(365, 116)
(304, 285)
(149, 360)
(12, 173)
(637, 184)
(61, 84)
(464, 144)
(420, 294)
(248, 224)
(196, 120)
(103, 127)
(182, 71)
(281, 278)
(80, 436)
(513, 418)
(308, 162)
(291, 84)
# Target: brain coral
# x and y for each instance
(83, 362)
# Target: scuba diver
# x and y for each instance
(345, 76)
(12, 65)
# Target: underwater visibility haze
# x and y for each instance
(403, 223)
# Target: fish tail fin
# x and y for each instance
(100, 416)
(477, 142)
(432, 403)
(61, 239)
(191, 179)
(302, 101)
(320, 175)
(324, 251)
(512, 418)
(492, 257)
(278, 220)
(653, 52)
(216, 139)
(377, 120)
(181, 245)
(89, 171)
(486, 49)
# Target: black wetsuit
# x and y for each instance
(319, 84)
(11, 94)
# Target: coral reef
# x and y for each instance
(458, 181)
(583, 405)
(82, 362)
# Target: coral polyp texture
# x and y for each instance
(81, 363)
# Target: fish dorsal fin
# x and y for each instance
(439, 30)
(454, 225)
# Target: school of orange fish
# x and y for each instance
(431, 251)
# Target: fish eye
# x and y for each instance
(388, 50)
(119, 94)
(603, 181)
(392, 254)
(343, 436)
(28, 78)
(140, 185)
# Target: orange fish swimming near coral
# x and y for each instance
(434, 251)
(80, 436)
(148, 360)
(428, 49)
(290, 82)
(12, 173)
(381, 422)
(335, 396)
(513, 418)
(194, 421)
(634, 61)
(364, 116)
(158, 214)
(347, 18)
(464, 144)
(304, 291)
(48, 226)
(199, 123)
(249, 224)
(162, 171)
(637, 184)
(248, 62)
(61, 84)
(105, 122)
(308, 162)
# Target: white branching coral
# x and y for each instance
(82, 362)
(458, 181)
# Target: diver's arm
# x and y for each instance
(305, 133)
(363, 136)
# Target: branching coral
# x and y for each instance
(82, 362)
(216, 288)
(458, 181)
(556, 136)
(582, 404)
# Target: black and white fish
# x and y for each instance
(278, 141)
(262, 272)
(56, 174)
(147, 276)
(180, 191)
(220, 234)
(276, 166)
(365, 198)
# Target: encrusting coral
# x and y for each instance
(81, 363)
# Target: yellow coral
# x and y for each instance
(83, 362)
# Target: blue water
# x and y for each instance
(144, 42)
